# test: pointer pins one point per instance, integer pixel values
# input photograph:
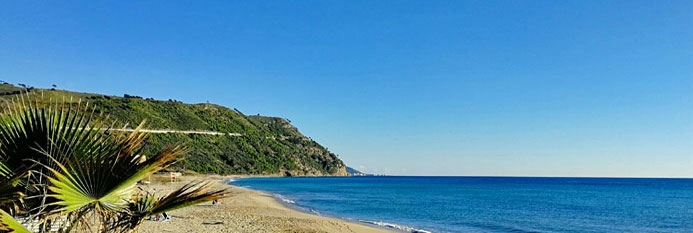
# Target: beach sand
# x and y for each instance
(243, 211)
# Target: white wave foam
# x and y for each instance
(284, 199)
(395, 226)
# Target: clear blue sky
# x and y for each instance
(520, 88)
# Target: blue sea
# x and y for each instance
(493, 204)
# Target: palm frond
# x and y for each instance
(28, 132)
(188, 195)
(105, 180)
(147, 204)
(9, 224)
(11, 190)
(58, 161)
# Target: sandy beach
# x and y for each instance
(243, 211)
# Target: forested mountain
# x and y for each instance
(242, 144)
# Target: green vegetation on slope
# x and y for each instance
(268, 145)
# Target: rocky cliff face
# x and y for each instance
(310, 172)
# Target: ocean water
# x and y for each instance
(494, 204)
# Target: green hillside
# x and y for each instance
(267, 145)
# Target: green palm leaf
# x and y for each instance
(57, 160)
(107, 180)
(147, 204)
(29, 130)
(9, 224)
(188, 195)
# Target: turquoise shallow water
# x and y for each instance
(495, 204)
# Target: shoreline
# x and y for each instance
(246, 210)
(291, 204)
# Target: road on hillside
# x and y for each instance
(174, 131)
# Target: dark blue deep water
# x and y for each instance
(495, 204)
